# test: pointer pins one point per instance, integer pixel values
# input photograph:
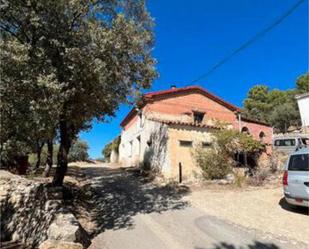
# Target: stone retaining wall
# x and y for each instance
(32, 212)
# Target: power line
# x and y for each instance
(250, 41)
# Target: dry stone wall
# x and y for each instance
(32, 212)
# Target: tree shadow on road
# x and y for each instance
(255, 245)
(113, 196)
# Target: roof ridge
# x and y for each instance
(193, 87)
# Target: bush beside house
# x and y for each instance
(219, 160)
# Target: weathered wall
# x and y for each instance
(185, 155)
(181, 106)
(26, 212)
(30, 210)
(256, 129)
(138, 130)
(114, 156)
(144, 142)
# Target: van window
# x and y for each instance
(285, 142)
(305, 140)
(299, 162)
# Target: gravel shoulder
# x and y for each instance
(259, 208)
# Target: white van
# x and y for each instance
(296, 178)
(289, 144)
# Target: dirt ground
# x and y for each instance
(261, 208)
(109, 199)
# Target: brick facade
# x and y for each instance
(175, 110)
(183, 103)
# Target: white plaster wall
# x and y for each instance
(185, 155)
(146, 130)
(114, 156)
(303, 105)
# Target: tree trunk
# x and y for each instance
(38, 153)
(62, 164)
(49, 159)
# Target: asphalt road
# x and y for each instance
(187, 228)
(135, 215)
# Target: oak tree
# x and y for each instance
(87, 55)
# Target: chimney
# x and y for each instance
(173, 86)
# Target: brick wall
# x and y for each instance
(186, 102)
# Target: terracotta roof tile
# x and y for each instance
(178, 122)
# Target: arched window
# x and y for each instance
(245, 130)
(262, 136)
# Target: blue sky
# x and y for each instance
(191, 36)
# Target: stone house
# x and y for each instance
(163, 131)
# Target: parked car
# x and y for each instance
(289, 144)
(296, 178)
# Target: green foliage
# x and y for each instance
(67, 62)
(25, 115)
(231, 141)
(279, 108)
(33, 157)
(256, 103)
(283, 116)
(114, 145)
(302, 83)
(218, 161)
(79, 151)
(213, 164)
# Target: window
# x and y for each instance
(245, 130)
(262, 136)
(206, 144)
(184, 143)
(285, 142)
(198, 117)
(305, 141)
(299, 162)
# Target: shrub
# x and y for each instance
(231, 141)
(278, 160)
(213, 163)
(33, 157)
(239, 179)
(78, 151)
(218, 161)
(259, 177)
